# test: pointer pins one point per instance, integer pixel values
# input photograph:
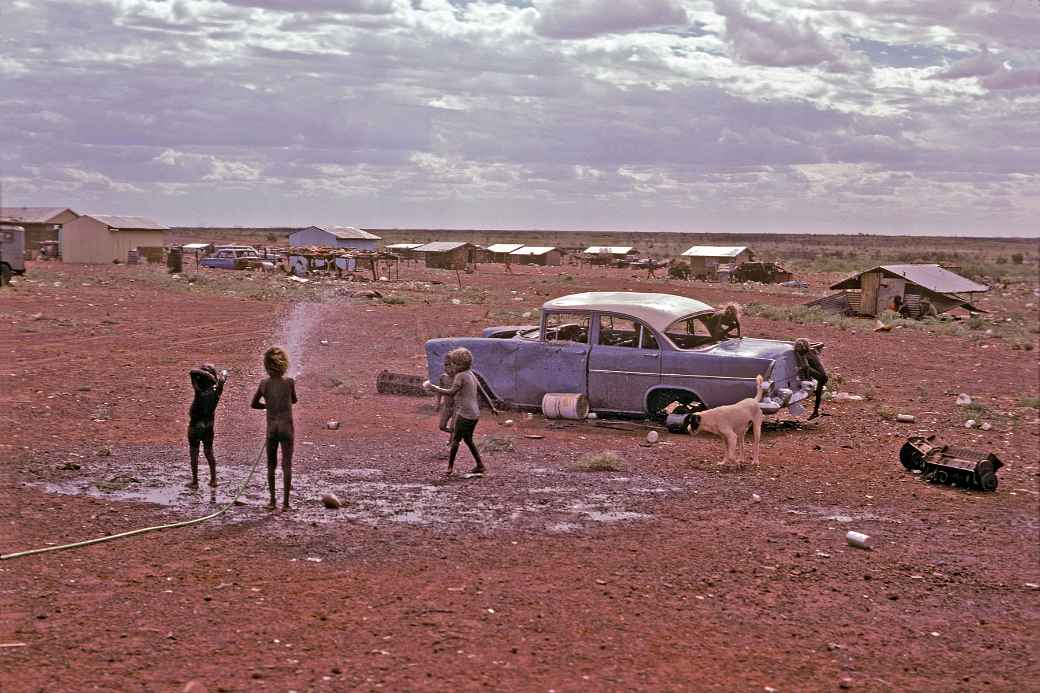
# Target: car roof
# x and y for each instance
(656, 310)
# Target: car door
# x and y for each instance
(624, 362)
(557, 362)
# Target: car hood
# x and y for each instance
(754, 348)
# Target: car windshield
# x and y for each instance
(690, 332)
(533, 333)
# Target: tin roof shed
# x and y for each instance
(715, 251)
(440, 246)
(932, 277)
(609, 250)
(505, 247)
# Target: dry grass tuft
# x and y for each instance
(608, 461)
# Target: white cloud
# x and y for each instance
(577, 19)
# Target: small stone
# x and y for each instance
(845, 683)
(986, 426)
(104, 452)
(652, 437)
(324, 342)
(963, 400)
(331, 501)
(507, 422)
(195, 687)
(332, 425)
(755, 497)
(970, 423)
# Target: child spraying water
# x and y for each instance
(208, 387)
(277, 394)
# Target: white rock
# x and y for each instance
(963, 400)
(331, 501)
(652, 437)
(456, 302)
(986, 426)
(970, 423)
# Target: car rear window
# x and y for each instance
(567, 327)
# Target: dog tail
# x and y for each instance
(758, 388)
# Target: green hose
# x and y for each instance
(143, 530)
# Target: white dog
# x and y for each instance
(731, 422)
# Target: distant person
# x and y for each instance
(277, 394)
(897, 305)
(465, 389)
(927, 310)
(208, 387)
(724, 323)
(810, 367)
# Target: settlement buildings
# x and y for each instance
(706, 261)
(447, 254)
(340, 237)
(607, 254)
(537, 255)
(40, 223)
(102, 238)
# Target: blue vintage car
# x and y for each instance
(233, 257)
(629, 353)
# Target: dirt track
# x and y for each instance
(666, 574)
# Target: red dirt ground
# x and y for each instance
(666, 574)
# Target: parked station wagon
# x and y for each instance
(233, 257)
(629, 353)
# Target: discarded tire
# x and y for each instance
(678, 423)
(565, 406)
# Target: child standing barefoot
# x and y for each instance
(446, 403)
(208, 387)
(465, 390)
(277, 394)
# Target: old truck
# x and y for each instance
(629, 353)
(12, 251)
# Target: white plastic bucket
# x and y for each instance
(565, 406)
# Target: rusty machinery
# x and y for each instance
(946, 464)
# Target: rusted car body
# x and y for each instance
(630, 353)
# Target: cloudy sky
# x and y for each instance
(886, 116)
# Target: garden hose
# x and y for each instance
(143, 530)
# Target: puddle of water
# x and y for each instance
(357, 473)
(373, 500)
(598, 514)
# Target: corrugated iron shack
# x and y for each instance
(447, 254)
(40, 223)
(707, 261)
(872, 291)
(537, 255)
